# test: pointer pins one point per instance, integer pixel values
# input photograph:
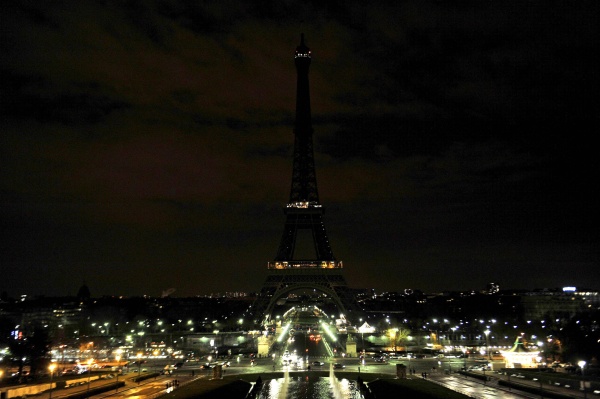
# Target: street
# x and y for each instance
(304, 352)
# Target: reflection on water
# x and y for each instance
(309, 387)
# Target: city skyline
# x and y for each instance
(148, 147)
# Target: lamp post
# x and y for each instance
(487, 343)
(581, 364)
(90, 361)
(362, 335)
(139, 357)
(118, 359)
(51, 368)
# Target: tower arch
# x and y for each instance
(287, 290)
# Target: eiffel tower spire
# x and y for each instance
(304, 212)
(303, 124)
(304, 178)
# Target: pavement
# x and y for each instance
(491, 388)
(160, 385)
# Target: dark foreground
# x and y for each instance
(382, 386)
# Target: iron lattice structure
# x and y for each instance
(303, 212)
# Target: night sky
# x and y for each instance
(146, 145)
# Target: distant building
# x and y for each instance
(84, 294)
(551, 303)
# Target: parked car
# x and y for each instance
(317, 363)
(338, 366)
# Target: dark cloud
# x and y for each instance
(152, 141)
(34, 98)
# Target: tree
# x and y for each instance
(33, 349)
(398, 335)
(18, 350)
(38, 348)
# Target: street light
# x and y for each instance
(51, 368)
(541, 387)
(581, 364)
(90, 361)
(487, 343)
(139, 357)
(118, 359)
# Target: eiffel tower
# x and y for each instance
(303, 213)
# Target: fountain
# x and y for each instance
(335, 384)
(308, 386)
(284, 386)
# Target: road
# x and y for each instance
(157, 386)
(309, 348)
(145, 389)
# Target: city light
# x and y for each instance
(328, 331)
(284, 332)
(118, 359)
(51, 368)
